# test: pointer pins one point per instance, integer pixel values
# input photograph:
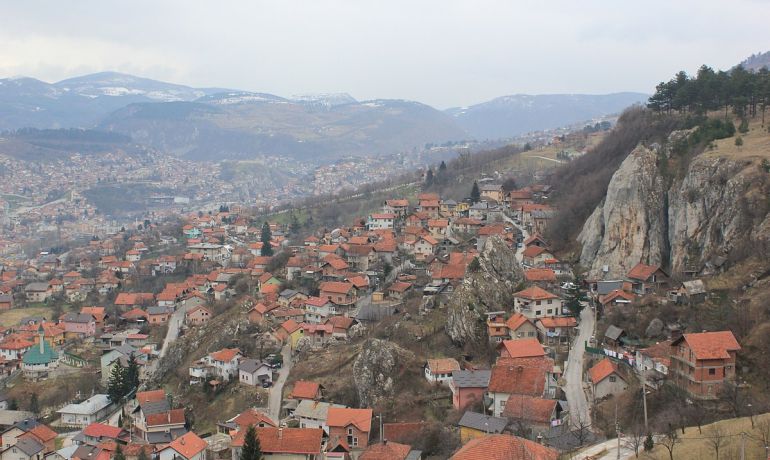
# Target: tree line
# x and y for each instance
(744, 91)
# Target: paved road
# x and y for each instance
(609, 449)
(525, 235)
(174, 324)
(573, 374)
(542, 158)
(275, 395)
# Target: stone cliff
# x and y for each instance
(490, 288)
(717, 206)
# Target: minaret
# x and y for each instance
(41, 333)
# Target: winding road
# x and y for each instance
(275, 395)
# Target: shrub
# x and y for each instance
(739, 141)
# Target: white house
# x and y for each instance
(222, 363)
(252, 372)
(87, 412)
(535, 302)
(188, 447)
(382, 221)
(318, 309)
(606, 379)
(313, 414)
(440, 370)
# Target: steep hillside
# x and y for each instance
(716, 207)
(510, 116)
(757, 61)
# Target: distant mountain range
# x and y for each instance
(757, 61)
(217, 123)
(510, 116)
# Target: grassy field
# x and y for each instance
(756, 143)
(699, 445)
(12, 317)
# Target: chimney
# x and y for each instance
(280, 433)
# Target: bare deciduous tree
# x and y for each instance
(717, 440)
(634, 439)
(670, 441)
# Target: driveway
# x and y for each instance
(174, 324)
(275, 395)
(525, 235)
(573, 373)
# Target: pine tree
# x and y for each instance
(34, 404)
(475, 193)
(267, 236)
(575, 297)
(251, 448)
(429, 178)
(649, 444)
(131, 375)
(294, 225)
(116, 383)
(442, 167)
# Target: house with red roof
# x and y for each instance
(338, 292)
(381, 221)
(615, 298)
(702, 363)
(606, 379)
(319, 309)
(387, 450)
(189, 446)
(556, 330)
(535, 256)
(504, 447)
(222, 363)
(517, 377)
(520, 327)
(304, 389)
(535, 302)
(425, 246)
(352, 425)
(521, 348)
(646, 278)
(198, 315)
(96, 433)
(284, 443)
(530, 413)
(439, 370)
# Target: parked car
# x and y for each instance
(267, 384)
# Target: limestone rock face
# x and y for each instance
(630, 225)
(490, 288)
(374, 370)
(719, 204)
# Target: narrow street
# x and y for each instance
(275, 395)
(573, 373)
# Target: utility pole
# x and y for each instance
(617, 428)
(644, 400)
(743, 445)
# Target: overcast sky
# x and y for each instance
(441, 52)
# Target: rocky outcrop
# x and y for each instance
(375, 369)
(717, 205)
(630, 224)
(489, 288)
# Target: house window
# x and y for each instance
(712, 371)
(550, 311)
(538, 312)
(613, 379)
(538, 302)
(550, 301)
(502, 404)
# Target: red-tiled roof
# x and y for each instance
(443, 365)
(535, 293)
(615, 294)
(252, 417)
(100, 430)
(516, 321)
(172, 417)
(188, 445)
(511, 378)
(642, 272)
(304, 389)
(337, 287)
(504, 447)
(711, 345)
(342, 417)
(523, 348)
(225, 354)
(558, 321)
(386, 451)
(150, 396)
(305, 441)
(539, 274)
(528, 408)
(532, 251)
(290, 325)
(602, 370)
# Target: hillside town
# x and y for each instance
(115, 309)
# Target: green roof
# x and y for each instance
(35, 356)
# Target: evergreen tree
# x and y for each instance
(34, 404)
(442, 167)
(251, 448)
(575, 297)
(267, 236)
(475, 193)
(294, 225)
(119, 455)
(131, 375)
(429, 178)
(116, 383)
(649, 444)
